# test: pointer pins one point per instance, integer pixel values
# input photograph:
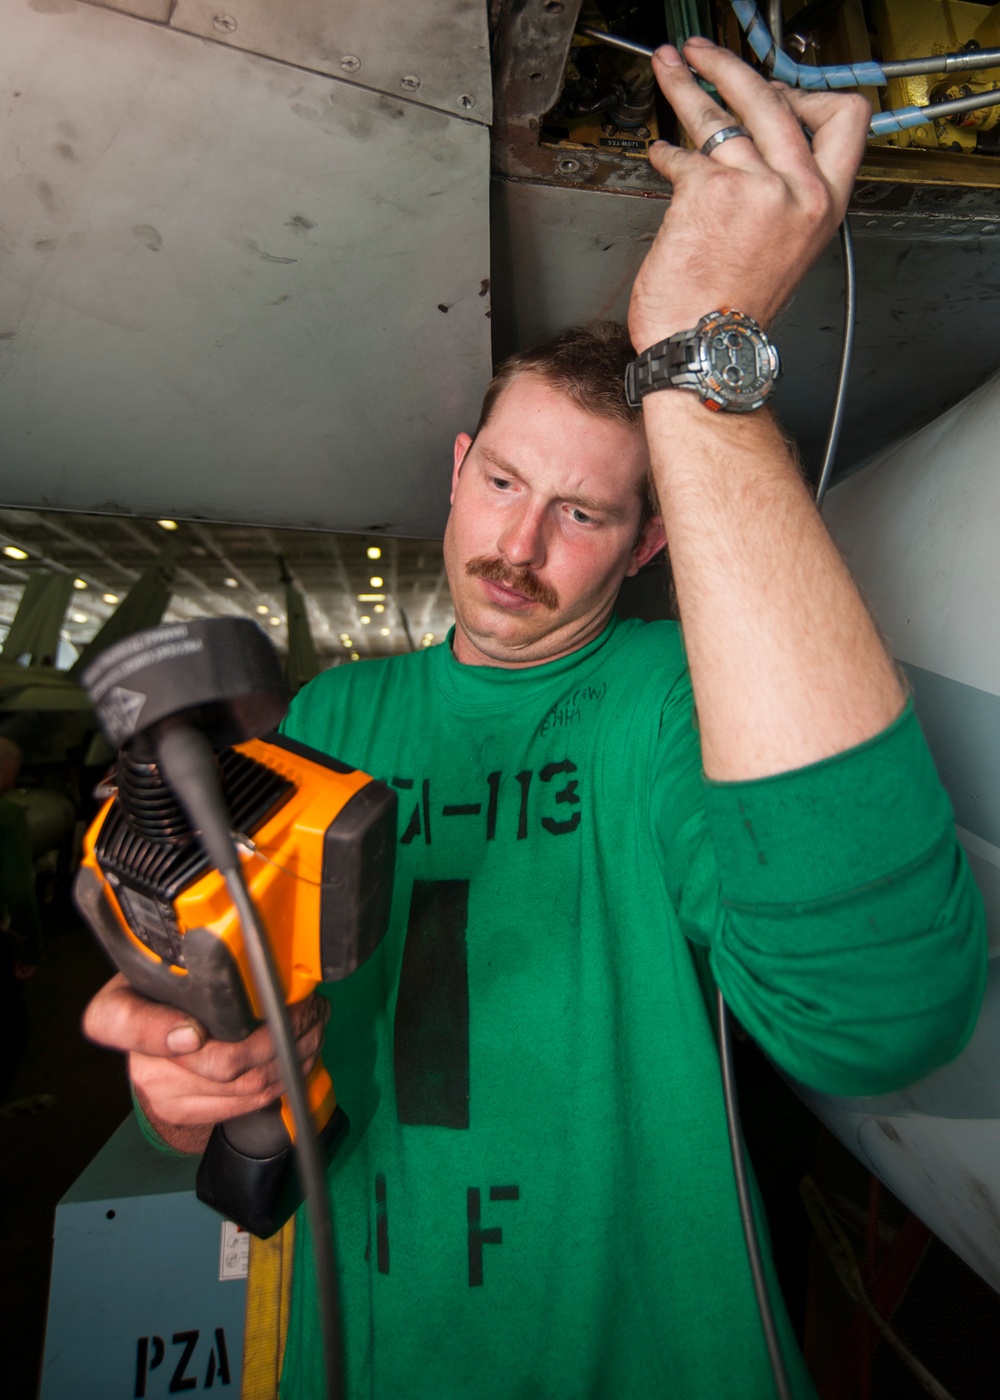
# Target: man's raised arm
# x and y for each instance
(786, 663)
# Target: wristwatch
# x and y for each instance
(727, 360)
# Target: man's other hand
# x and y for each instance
(185, 1081)
(746, 221)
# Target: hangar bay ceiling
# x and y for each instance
(235, 570)
(256, 260)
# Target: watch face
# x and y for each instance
(739, 366)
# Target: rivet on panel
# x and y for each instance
(350, 63)
(553, 7)
(569, 167)
(989, 228)
(225, 24)
(409, 83)
(467, 101)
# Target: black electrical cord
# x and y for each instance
(846, 354)
(188, 762)
(267, 985)
(754, 1257)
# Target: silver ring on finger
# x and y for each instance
(726, 134)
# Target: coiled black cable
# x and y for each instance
(267, 985)
(187, 761)
(754, 1255)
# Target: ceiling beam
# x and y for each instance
(432, 601)
(63, 532)
(343, 579)
(233, 570)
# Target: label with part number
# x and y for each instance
(625, 143)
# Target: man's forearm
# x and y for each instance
(786, 663)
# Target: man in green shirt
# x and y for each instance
(536, 1199)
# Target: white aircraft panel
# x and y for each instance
(919, 528)
(928, 317)
(230, 288)
(435, 51)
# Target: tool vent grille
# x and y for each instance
(160, 866)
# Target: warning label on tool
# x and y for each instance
(234, 1251)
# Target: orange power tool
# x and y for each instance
(316, 844)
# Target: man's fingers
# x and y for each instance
(839, 123)
(672, 162)
(820, 172)
(121, 1019)
(183, 1097)
(186, 1078)
(775, 114)
(223, 1079)
(696, 111)
(776, 133)
(190, 1080)
(227, 1062)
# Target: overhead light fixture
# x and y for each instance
(80, 583)
(374, 552)
(231, 582)
(12, 552)
(347, 641)
(275, 621)
(262, 608)
(355, 656)
(366, 619)
(375, 581)
(371, 597)
(79, 617)
(384, 631)
(109, 597)
(379, 607)
(167, 524)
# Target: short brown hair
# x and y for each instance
(588, 364)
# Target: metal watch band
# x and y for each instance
(712, 361)
(659, 367)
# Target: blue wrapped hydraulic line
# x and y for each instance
(870, 74)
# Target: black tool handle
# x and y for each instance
(248, 1171)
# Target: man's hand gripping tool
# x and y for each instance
(186, 705)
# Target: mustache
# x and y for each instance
(494, 570)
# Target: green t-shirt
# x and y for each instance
(536, 1197)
